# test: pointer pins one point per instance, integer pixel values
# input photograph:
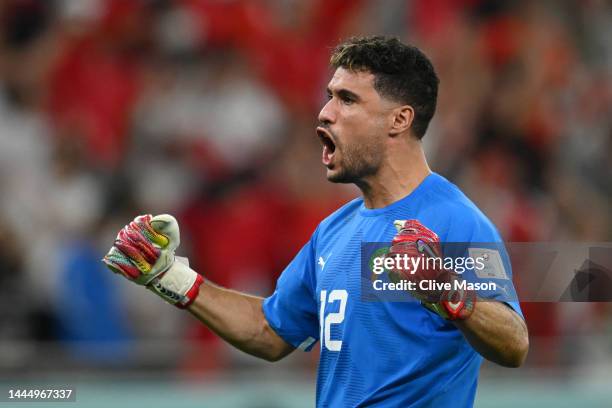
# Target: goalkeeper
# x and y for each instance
(381, 99)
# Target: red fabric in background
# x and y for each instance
(292, 60)
(91, 95)
(96, 80)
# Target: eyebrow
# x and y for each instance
(344, 94)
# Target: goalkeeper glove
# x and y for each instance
(143, 252)
(417, 241)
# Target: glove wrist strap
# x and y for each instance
(454, 305)
(459, 306)
(179, 285)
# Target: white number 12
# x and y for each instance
(325, 322)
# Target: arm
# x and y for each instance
(497, 332)
(238, 318)
(143, 253)
(492, 328)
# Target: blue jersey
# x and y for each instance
(384, 354)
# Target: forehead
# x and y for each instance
(359, 82)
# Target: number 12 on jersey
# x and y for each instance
(325, 322)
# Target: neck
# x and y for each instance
(397, 178)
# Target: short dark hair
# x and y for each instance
(401, 72)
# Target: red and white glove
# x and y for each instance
(415, 240)
(143, 252)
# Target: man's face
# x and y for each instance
(352, 127)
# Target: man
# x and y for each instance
(382, 353)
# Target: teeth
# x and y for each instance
(326, 140)
(329, 143)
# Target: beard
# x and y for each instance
(358, 161)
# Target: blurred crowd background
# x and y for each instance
(206, 109)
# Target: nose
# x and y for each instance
(327, 115)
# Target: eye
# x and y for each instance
(347, 100)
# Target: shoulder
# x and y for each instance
(342, 215)
(456, 218)
(339, 218)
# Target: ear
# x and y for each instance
(401, 119)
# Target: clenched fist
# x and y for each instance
(421, 249)
(143, 252)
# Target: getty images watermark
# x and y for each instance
(405, 265)
(509, 272)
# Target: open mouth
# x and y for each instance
(329, 147)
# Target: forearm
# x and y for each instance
(238, 318)
(497, 333)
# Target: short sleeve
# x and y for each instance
(476, 239)
(291, 311)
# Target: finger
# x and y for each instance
(404, 247)
(413, 224)
(118, 262)
(416, 228)
(167, 226)
(134, 255)
(405, 237)
(143, 224)
(407, 225)
(429, 234)
(146, 248)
